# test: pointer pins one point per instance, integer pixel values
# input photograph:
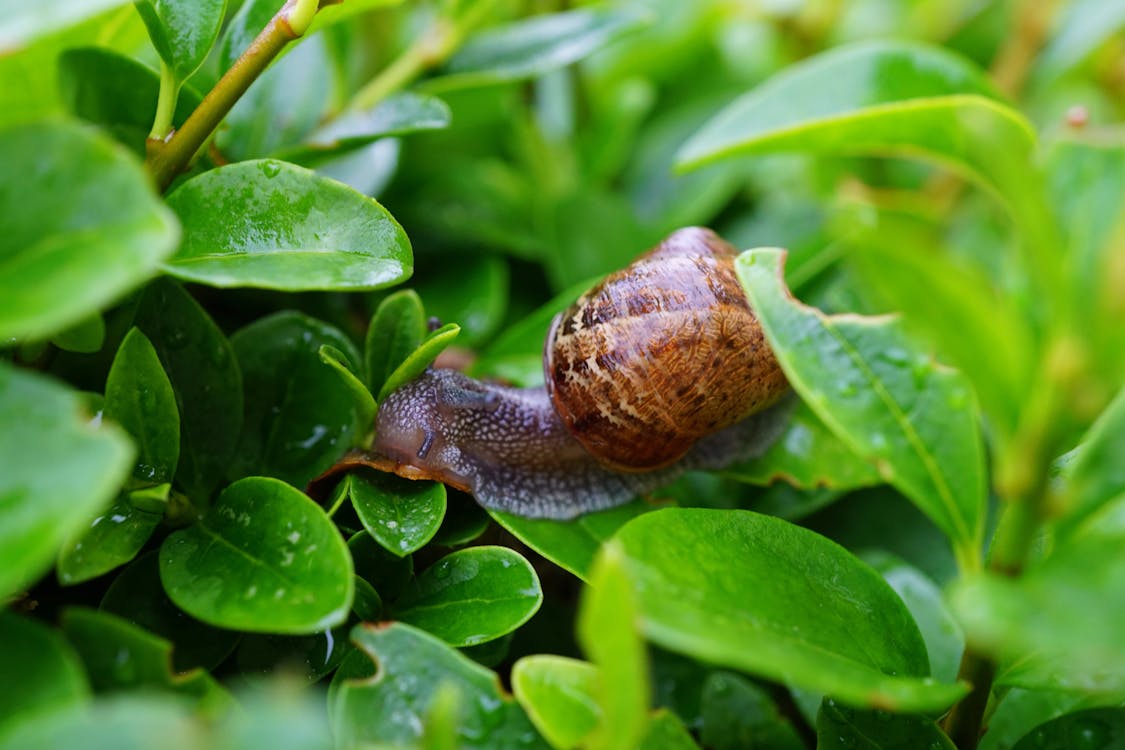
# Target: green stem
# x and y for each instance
(167, 161)
(165, 104)
(963, 723)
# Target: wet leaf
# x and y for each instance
(842, 728)
(914, 419)
(387, 573)
(265, 558)
(274, 225)
(397, 328)
(183, 31)
(418, 360)
(1092, 729)
(471, 596)
(402, 515)
(113, 538)
(558, 695)
(311, 656)
(737, 713)
(692, 567)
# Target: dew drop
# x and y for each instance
(271, 169)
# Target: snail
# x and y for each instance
(661, 367)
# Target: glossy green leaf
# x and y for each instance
(914, 419)
(311, 656)
(400, 514)
(387, 573)
(113, 538)
(534, 46)
(738, 713)
(299, 415)
(807, 455)
(39, 671)
(85, 337)
(120, 656)
(204, 374)
(139, 397)
(264, 558)
(472, 596)
(116, 92)
(885, 96)
(60, 470)
(903, 261)
(692, 569)
(278, 226)
(367, 605)
(1023, 710)
(183, 31)
(465, 520)
(397, 328)
(572, 545)
(23, 22)
(1097, 474)
(608, 631)
(403, 113)
(944, 640)
(1086, 26)
(558, 695)
(88, 229)
(124, 722)
(390, 707)
(1093, 729)
(421, 358)
(840, 727)
(1047, 611)
(137, 595)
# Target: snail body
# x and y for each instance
(661, 367)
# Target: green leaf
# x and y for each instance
(421, 358)
(1097, 475)
(1023, 710)
(884, 95)
(362, 401)
(60, 470)
(1086, 26)
(138, 596)
(667, 732)
(531, 47)
(264, 558)
(472, 292)
(116, 92)
(558, 695)
(113, 538)
(401, 114)
(807, 455)
(39, 671)
(916, 420)
(24, 22)
(85, 231)
(607, 629)
(124, 722)
(472, 596)
(842, 728)
(1097, 728)
(299, 415)
(274, 225)
(391, 706)
(847, 635)
(397, 328)
(277, 714)
(204, 374)
(905, 263)
(1047, 611)
(400, 514)
(573, 544)
(139, 397)
(737, 713)
(183, 31)
(120, 656)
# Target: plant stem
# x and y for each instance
(431, 48)
(166, 161)
(165, 104)
(963, 723)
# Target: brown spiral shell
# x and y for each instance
(659, 354)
